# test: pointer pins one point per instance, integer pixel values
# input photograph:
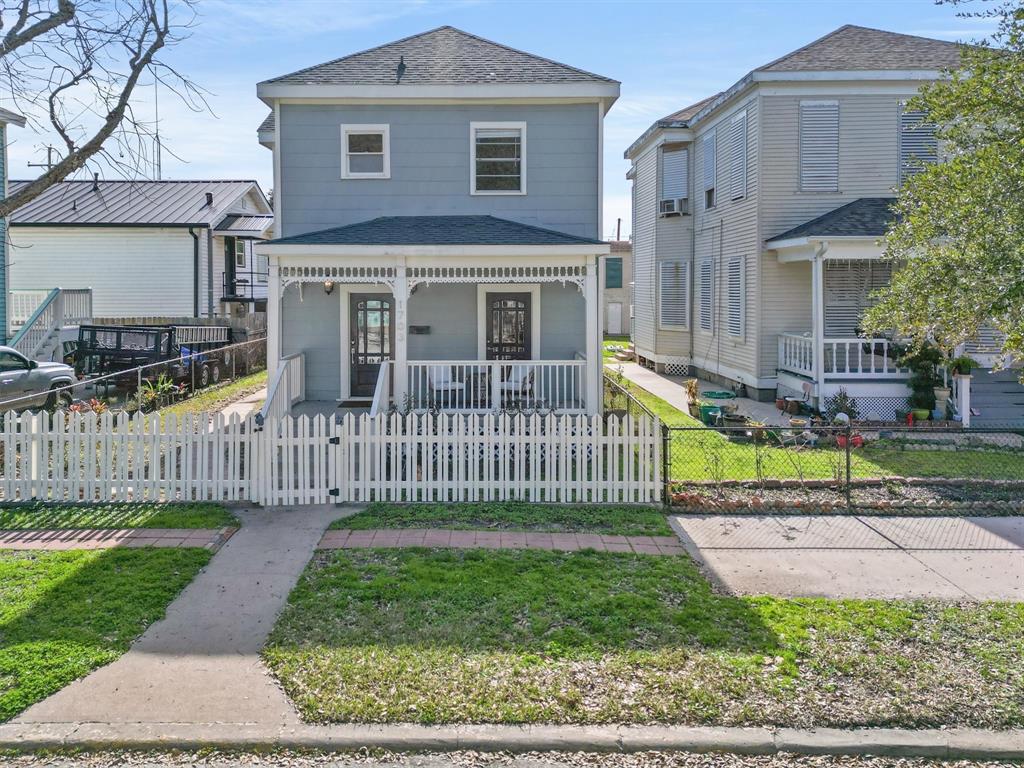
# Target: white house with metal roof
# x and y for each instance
(438, 202)
(759, 214)
(145, 248)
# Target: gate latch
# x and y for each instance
(334, 440)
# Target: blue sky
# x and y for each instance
(666, 54)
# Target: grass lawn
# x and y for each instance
(614, 521)
(613, 341)
(709, 455)
(213, 399)
(62, 614)
(438, 636)
(188, 515)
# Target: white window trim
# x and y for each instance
(245, 256)
(711, 137)
(473, 128)
(482, 289)
(381, 128)
(684, 266)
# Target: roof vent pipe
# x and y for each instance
(96, 182)
(209, 199)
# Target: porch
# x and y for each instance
(446, 328)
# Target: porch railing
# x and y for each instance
(287, 388)
(488, 385)
(849, 358)
(39, 333)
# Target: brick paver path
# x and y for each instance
(102, 538)
(439, 537)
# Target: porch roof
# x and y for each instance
(437, 230)
(867, 217)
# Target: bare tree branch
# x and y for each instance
(19, 35)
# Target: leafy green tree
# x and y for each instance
(958, 238)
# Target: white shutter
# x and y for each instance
(735, 296)
(917, 142)
(708, 152)
(819, 146)
(738, 156)
(707, 295)
(674, 294)
(674, 168)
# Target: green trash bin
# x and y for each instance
(710, 414)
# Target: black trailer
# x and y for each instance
(187, 353)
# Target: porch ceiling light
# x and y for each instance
(328, 287)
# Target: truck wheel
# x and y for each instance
(57, 399)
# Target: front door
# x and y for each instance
(614, 318)
(508, 326)
(372, 339)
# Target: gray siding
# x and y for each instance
(430, 157)
(562, 322)
(450, 311)
(312, 326)
(645, 204)
(728, 230)
(868, 166)
(3, 236)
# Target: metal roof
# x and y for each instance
(129, 203)
(436, 230)
(864, 217)
(442, 56)
(242, 224)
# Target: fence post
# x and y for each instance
(849, 467)
(666, 488)
(138, 387)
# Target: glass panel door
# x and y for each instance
(508, 326)
(372, 339)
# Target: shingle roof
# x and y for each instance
(621, 246)
(267, 124)
(864, 217)
(128, 202)
(686, 113)
(442, 56)
(851, 47)
(436, 230)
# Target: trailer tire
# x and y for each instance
(215, 373)
(204, 377)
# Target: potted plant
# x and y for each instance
(923, 363)
(963, 365)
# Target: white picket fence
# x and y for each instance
(314, 460)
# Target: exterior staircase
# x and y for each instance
(998, 398)
(38, 317)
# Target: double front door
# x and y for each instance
(371, 320)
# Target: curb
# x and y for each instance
(953, 743)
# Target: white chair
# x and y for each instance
(445, 391)
(518, 384)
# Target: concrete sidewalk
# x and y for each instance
(943, 558)
(201, 663)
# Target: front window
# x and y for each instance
(498, 164)
(366, 152)
(240, 261)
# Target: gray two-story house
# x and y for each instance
(759, 216)
(438, 210)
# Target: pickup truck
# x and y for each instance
(34, 382)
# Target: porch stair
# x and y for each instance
(38, 317)
(998, 396)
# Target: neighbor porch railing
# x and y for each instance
(488, 385)
(844, 358)
(39, 332)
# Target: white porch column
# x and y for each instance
(592, 308)
(818, 316)
(400, 384)
(274, 296)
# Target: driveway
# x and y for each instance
(943, 558)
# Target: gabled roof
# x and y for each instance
(130, 203)
(6, 116)
(851, 48)
(864, 217)
(268, 124)
(442, 56)
(847, 49)
(436, 230)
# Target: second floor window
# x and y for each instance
(709, 167)
(819, 146)
(613, 272)
(498, 162)
(365, 152)
(918, 145)
(240, 260)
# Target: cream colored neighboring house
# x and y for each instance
(758, 214)
(617, 283)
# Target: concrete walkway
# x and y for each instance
(245, 405)
(200, 664)
(442, 537)
(103, 538)
(668, 388)
(943, 558)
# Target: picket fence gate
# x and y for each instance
(317, 460)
